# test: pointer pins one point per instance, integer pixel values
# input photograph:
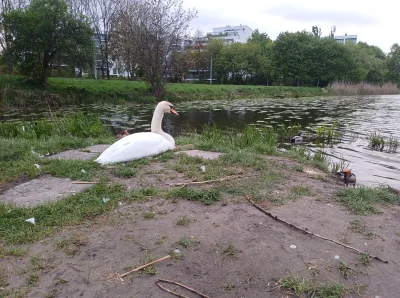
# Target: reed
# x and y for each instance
(347, 89)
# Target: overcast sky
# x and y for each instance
(375, 22)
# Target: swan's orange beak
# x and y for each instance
(174, 112)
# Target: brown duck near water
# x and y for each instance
(121, 134)
(347, 177)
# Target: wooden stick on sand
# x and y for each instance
(181, 285)
(309, 233)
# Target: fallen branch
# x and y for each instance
(83, 182)
(120, 276)
(309, 233)
(181, 285)
(209, 181)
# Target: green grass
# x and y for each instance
(17, 90)
(364, 200)
(183, 221)
(52, 216)
(302, 286)
(381, 143)
(205, 196)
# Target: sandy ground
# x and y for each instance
(234, 249)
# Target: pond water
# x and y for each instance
(356, 117)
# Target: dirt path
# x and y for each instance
(227, 249)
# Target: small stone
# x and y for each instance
(293, 246)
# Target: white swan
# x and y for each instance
(142, 144)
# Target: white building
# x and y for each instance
(346, 38)
(232, 33)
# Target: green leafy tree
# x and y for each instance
(293, 57)
(264, 70)
(44, 30)
(393, 63)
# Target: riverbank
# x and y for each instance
(191, 208)
(16, 91)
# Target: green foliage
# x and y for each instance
(45, 30)
(205, 196)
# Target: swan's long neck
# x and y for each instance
(157, 119)
(156, 124)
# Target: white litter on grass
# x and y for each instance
(120, 203)
(336, 257)
(31, 220)
(37, 166)
(105, 200)
(203, 168)
(177, 251)
(83, 171)
(292, 246)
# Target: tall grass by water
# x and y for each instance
(381, 143)
(347, 89)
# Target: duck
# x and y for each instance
(122, 133)
(347, 177)
(296, 139)
(142, 144)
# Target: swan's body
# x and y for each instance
(142, 144)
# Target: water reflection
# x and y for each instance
(356, 117)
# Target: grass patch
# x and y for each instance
(302, 286)
(12, 252)
(125, 172)
(363, 200)
(33, 279)
(52, 216)
(186, 242)
(205, 196)
(301, 190)
(72, 244)
(357, 226)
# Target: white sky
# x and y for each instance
(376, 23)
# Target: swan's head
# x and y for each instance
(167, 107)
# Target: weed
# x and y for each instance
(183, 221)
(151, 270)
(12, 251)
(161, 240)
(346, 270)
(148, 215)
(229, 287)
(176, 255)
(33, 279)
(184, 241)
(230, 251)
(357, 226)
(205, 196)
(125, 172)
(3, 277)
(72, 244)
(381, 143)
(301, 190)
(365, 259)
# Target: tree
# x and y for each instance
(264, 67)
(6, 6)
(162, 24)
(125, 35)
(102, 14)
(332, 33)
(293, 57)
(44, 30)
(393, 63)
(316, 31)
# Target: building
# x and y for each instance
(232, 34)
(346, 38)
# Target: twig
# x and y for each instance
(309, 233)
(209, 181)
(145, 265)
(181, 285)
(83, 182)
